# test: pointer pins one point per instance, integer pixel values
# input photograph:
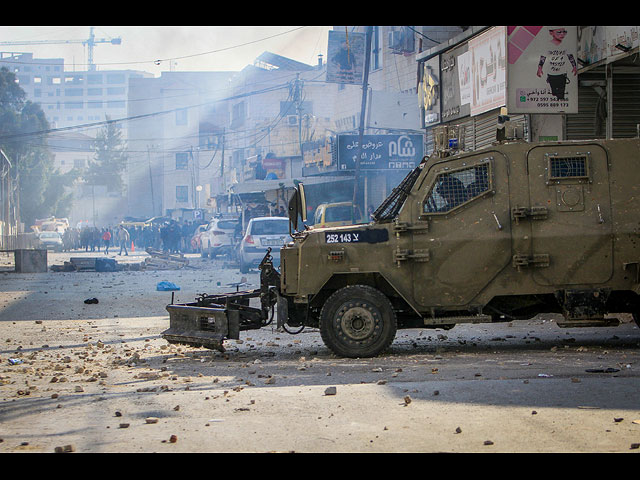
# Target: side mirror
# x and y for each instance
(297, 207)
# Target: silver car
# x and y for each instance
(262, 233)
(50, 241)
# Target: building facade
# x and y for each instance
(71, 98)
(493, 72)
(173, 142)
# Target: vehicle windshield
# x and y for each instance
(337, 214)
(270, 227)
(227, 224)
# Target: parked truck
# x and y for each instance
(494, 235)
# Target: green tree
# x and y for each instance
(110, 158)
(23, 137)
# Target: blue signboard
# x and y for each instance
(380, 152)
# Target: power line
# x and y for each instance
(158, 61)
(136, 117)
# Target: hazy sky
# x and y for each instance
(189, 48)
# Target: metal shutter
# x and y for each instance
(626, 102)
(590, 121)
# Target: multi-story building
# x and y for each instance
(174, 141)
(71, 98)
(279, 105)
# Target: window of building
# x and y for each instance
(94, 91)
(72, 92)
(181, 116)
(115, 91)
(238, 114)
(74, 105)
(94, 79)
(73, 79)
(115, 78)
(182, 193)
(182, 161)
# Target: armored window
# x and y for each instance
(568, 167)
(456, 187)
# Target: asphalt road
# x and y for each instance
(98, 378)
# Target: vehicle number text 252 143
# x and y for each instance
(342, 237)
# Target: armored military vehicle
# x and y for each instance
(494, 235)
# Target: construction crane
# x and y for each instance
(90, 43)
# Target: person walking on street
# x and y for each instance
(106, 238)
(123, 239)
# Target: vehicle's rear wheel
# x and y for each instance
(357, 321)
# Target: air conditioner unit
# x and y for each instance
(292, 120)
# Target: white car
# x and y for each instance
(218, 239)
(262, 233)
(50, 240)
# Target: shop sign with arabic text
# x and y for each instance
(380, 152)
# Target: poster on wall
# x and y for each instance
(429, 92)
(464, 79)
(455, 73)
(345, 57)
(488, 70)
(542, 69)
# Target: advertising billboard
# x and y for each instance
(429, 92)
(542, 69)
(345, 57)
(488, 70)
(455, 75)
(380, 152)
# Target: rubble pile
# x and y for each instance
(157, 260)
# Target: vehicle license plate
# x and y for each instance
(272, 242)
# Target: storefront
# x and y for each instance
(609, 84)
(557, 82)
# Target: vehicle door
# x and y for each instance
(465, 239)
(569, 215)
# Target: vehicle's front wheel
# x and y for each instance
(357, 321)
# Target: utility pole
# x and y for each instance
(297, 97)
(153, 202)
(222, 163)
(365, 81)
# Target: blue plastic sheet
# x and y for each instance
(165, 286)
